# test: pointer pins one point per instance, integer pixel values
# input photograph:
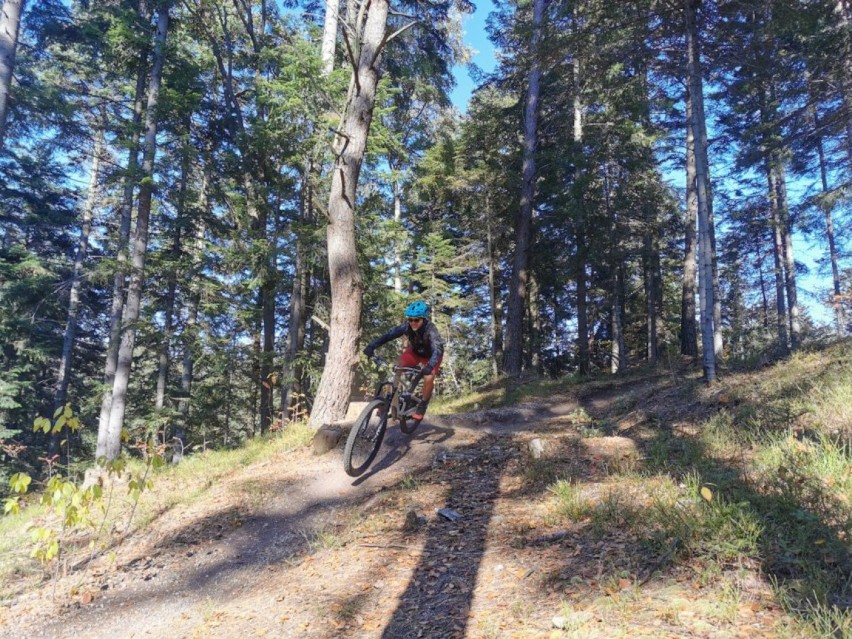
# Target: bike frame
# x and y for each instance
(395, 390)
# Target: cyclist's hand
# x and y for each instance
(378, 361)
(368, 352)
(426, 370)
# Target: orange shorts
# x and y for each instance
(411, 359)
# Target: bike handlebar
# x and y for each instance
(417, 370)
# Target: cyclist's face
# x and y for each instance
(415, 322)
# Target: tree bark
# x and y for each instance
(122, 257)
(112, 446)
(777, 254)
(584, 364)
(335, 385)
(171, 290)
(523, 229)
(329, 35)
(705, 243)
(843, 9)
(190, 330)
(494, 297)
(397, 245)
(688, 325)
(291, 373)
(618, 360)
(535, 326)
(839, 316)
(789, 261)
(10, 26)
(651, 304)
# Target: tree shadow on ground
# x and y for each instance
(437, 600)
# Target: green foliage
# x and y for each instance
(76, 508)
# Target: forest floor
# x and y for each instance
(291, 546)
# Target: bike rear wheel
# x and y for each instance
(365, 438)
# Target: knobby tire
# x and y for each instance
(365, 438)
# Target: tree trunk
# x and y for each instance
(10, 25)
(494, 297)
(844, 16)
(705, 239)
(737, 308)
(618, 360)
(334, 389)
(523, 229)
(584, 363)
(777, 254)
(123, 243)
(267, 395)
(112, 446)
(397, 245)
(291, 388)
(688, 326)
(535, 326)
(63, 377)
(763, 296)
(582, 308)
(189, 335)
(171, 292)
(650, 282)
(329, 35)
(839, 318)
(789, 261)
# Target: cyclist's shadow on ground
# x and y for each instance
(397, 445)
(436, 602)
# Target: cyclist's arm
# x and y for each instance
(394, 333)
(437, 343)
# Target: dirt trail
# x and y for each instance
(183, 575)
(293, 547)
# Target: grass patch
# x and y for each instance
(570, 501)
(173, 485)
(505, 392)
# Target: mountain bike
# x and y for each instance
(396, 399)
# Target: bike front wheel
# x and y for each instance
(365, 438)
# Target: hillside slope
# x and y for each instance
(643, 510)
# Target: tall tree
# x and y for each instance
(112, 440)
(523, 230)
(365, 54)
(697, 123)
(10, 24)
(122, 241)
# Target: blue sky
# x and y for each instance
(476, 38)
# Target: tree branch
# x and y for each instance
(387, 38)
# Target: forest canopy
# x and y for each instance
(208, 207)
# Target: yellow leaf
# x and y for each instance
(819, 542)
(706, 493)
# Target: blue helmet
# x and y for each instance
(417, 309)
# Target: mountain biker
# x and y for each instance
(425, 348)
